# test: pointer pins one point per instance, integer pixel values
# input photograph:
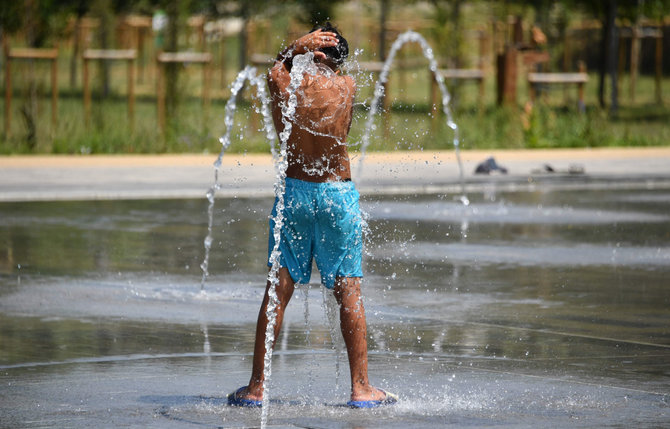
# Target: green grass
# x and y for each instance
(553, 123)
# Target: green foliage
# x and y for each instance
(550, 127)
(314, 12)
(627, 9)
(41, 21)
(550, 124)
(410, 125)
(11, 16)
(446, 31)
(656, 9)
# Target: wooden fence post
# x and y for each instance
(54, 94)
(160, 96)
(507, 76)
(659, 64)
(31, 54)
(131, 94)
(87, 93)
(205, 93)
(8, 94)
(634, 62)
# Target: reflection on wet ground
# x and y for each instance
(529, 309)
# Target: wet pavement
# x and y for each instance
(544, 306)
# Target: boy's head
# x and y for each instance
(337, 54)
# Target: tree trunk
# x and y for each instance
(383, 16)
(105, 15)
(608, 65)
(75, 52)
(613, 47)
(244, 35)
(457, 37)
(82, 7)
(171, 69)
(29, 108)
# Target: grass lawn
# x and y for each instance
(554, 121)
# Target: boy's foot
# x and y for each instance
(387, 399)
(237, 399)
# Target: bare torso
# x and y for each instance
(316, 148)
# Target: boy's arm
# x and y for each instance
(278, 78)
(279, 75)
(310, 42)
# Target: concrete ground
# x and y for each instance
(556, 324)
(50, 178)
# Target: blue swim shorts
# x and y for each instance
(322, 222)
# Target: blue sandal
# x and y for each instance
(390, 399)
(237, 401)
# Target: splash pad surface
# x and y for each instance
(524, 309)
(112, 288)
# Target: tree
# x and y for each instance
(41, 21)
(11, 17)
(80, 9)
(244, 9)
(608, 12)
(176, 11)
(447, 31)
(315, 12)
(610, 46)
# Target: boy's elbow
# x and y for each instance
(275, 73)
(272, 72)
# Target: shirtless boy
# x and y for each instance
(322, 215)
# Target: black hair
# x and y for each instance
(337, 53)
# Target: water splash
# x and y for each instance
(288, 110)
(331, 307)
(308, 339)
(406, 37)
(248, 74)
(301, 65)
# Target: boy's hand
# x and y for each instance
(314, 41)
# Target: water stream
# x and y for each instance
(247, 74)
(404, 38)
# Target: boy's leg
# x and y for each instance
(354, 330)
(284, 291)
